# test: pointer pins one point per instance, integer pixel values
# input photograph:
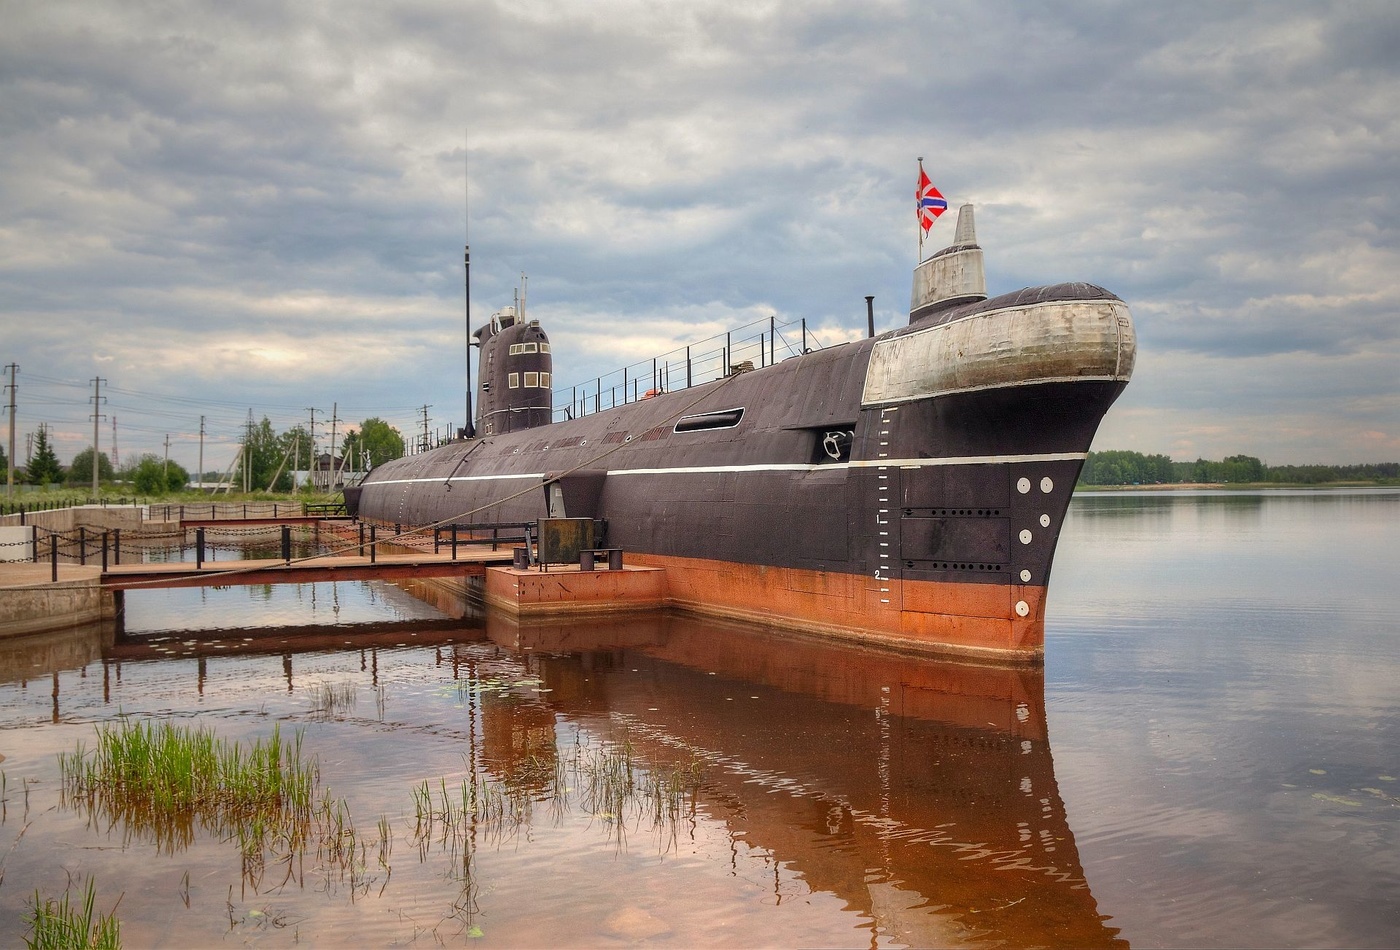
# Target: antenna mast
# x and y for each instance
(469, 426)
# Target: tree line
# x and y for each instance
(267, 457)
(1134, 468)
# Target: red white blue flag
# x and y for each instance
(931, 202)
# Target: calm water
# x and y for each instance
(1221, 680)
(1209, 759)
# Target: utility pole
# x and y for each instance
(165, 471)
(97, 416)
(248, 455)
(425, 427)
(116, 463)
(311, 458)
(201, 453)
(13, 389)
(330, 483)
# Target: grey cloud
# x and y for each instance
(291, 173)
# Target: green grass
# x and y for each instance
(64, 924)
(163, 780)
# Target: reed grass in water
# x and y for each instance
(609, 781)
(333, 700)
(64, 924)
(162, 781)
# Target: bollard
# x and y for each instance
(615, 559)
(371, 544)
(53, 557)
(585, 559)
(520, 559)
(104, 552)
(82, 545)
(198, 549)
(287, 544)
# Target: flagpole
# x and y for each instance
(918, 216)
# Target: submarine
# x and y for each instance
(903, 491)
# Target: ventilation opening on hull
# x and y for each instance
(952, 566)
(720, 419)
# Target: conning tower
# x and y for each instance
(515, 375)
(951, 277)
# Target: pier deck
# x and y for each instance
(471, 560)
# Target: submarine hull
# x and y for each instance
(906, 490)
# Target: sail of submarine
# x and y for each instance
(906, 490)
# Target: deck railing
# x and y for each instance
(754, 345)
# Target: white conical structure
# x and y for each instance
(966, 231)
(953, 276)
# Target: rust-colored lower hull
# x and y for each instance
(979, 621)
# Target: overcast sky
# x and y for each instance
(223, 206)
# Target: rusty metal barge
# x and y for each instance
(906, 490)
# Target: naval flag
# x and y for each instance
(931, 202)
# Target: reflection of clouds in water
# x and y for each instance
(205, 608)
(1205, 654)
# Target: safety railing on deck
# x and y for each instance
(752, 346)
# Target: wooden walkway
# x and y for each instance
(471, 560)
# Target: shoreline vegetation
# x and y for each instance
(1118, 469)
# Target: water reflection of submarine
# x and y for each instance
(921, 793)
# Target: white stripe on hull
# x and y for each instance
(726, 469)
